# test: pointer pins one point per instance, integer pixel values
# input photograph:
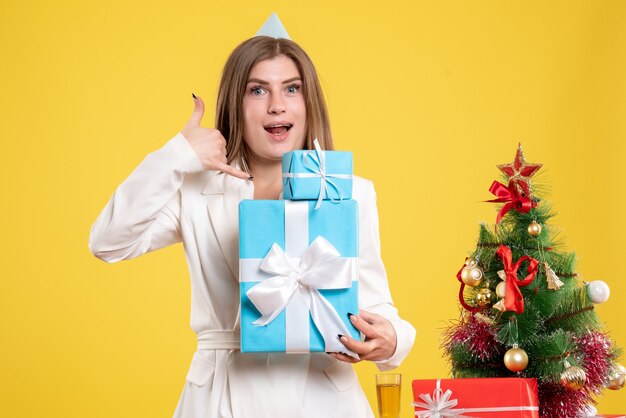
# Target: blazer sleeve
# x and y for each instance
(144, 212)
(374, 295)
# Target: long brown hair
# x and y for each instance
(229, 112)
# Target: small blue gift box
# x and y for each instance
(317, 174)
(298, 275)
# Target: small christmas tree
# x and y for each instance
(525, 311)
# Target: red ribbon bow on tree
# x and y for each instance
(513, 299)
(512, 199)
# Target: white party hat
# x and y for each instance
(273, 27)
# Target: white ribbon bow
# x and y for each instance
(320, 267)
(439, 405)
(318, 168)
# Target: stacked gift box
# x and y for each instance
(298, 258)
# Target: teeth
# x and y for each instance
(281, 128)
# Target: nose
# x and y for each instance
(276, 105)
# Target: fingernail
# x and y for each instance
(340, 336)
(251, 178)
(352, 317)
(194, 96)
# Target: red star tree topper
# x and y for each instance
(519, 172)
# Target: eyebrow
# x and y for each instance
(263, 82)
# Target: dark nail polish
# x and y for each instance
(194, 96)
(251, 178)
(339, 336)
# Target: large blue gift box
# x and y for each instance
(316, 174)
(298, 275)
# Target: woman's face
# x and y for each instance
(274, 111)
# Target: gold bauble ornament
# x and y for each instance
(484, 297)
(471, 274)
(573, 377)
(617, 377)
(516, 359)
(501, 290)
(534, 229)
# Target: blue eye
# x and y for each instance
(256, 90)
(293, 88)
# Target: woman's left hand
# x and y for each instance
(380, 338)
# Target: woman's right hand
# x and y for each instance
(208, 144)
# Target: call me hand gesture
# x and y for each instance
(208, 144)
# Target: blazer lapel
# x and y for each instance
(224, 192)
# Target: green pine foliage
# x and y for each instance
(546, 350)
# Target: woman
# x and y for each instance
(269, 103)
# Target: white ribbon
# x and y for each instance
(439, 405)
(321, 267)
(318, 168)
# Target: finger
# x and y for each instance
(344, 357)
(358, 347)
(370, 317)
(232, 171)
(364, 326)
(198, 112)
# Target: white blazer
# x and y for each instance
(170, 198)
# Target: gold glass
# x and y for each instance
(388, 394)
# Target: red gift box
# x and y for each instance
(477, 398)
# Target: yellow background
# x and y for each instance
(430, 96)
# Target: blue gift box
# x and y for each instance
(316, 174)
(293, 228)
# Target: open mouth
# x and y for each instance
(278, 129)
